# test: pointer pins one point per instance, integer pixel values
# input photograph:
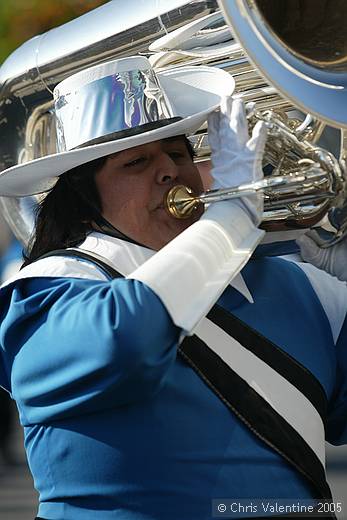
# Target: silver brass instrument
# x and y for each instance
(311, 175)
(307, 74)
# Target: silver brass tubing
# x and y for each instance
(181, 201)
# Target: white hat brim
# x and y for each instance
(193, 92)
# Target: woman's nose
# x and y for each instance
(166, 169)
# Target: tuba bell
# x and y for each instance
(297, 85)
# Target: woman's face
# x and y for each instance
(132, 185)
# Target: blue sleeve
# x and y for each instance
(74, 346)
(336, 431)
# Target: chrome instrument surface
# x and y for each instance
(175, 33)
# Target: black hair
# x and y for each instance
(67, 213)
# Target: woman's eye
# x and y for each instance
(134, 162)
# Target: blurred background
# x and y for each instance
(19, 21)
(22, 19)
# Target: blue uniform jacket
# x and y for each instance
(118, 427)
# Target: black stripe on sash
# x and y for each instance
(255, 413)
(284, 364)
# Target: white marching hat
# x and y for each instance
(115, 106)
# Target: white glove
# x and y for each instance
(333, 259)
(237, 158)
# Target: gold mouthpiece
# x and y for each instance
(181, 202)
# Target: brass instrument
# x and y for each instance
(308, 180)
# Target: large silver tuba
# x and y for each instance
(302, 99)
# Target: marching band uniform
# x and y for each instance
(147, 397)
(110, 413)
